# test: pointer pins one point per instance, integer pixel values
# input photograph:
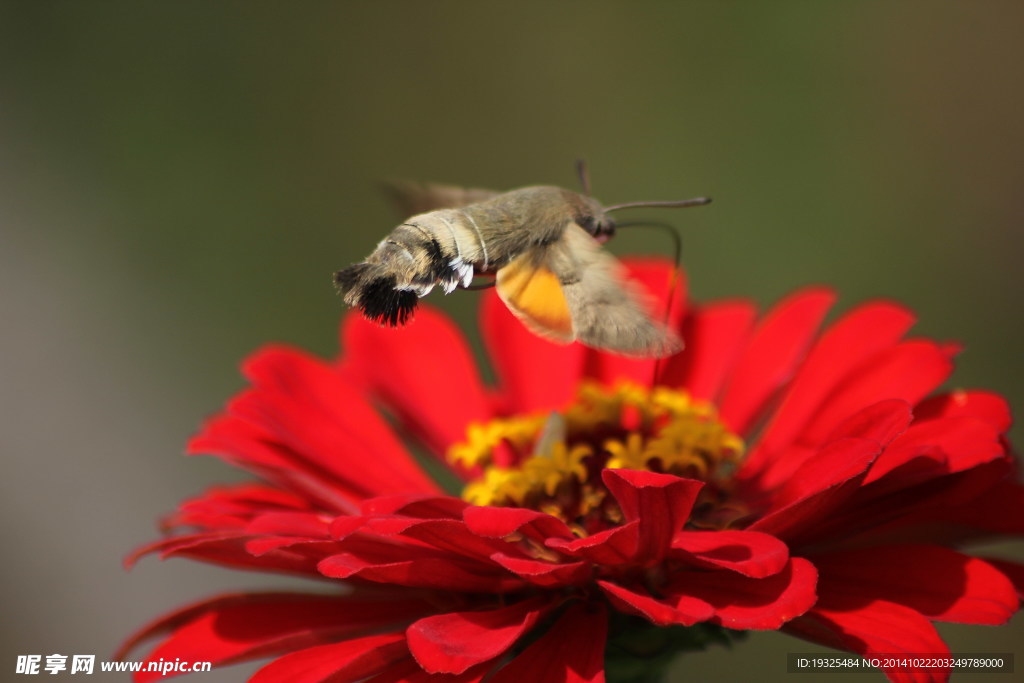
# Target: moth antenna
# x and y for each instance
(583, 175)
(678, 204)
(677, 247)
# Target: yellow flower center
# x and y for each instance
(553, 462)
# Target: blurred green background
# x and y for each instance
(178, 181)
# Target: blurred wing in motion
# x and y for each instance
(534, 294)
(412, 198)
(575, 290)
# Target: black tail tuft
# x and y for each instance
(370, 288)
(384, 304)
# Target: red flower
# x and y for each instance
(768, 478)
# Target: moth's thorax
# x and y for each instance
(538, 208)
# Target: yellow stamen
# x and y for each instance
(482, 439)
(624, 427)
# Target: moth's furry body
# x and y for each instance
(538, 241)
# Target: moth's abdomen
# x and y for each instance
(460, 239)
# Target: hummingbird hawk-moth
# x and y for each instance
(542, 244)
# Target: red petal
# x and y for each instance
(427, 572)
(682, 609)
(351, 660)
(453, 537)
(749, 553)
(186, 614)
(984, 405)
(939, 583)
(266, 544)
(232, 506)
(973, 505)
(415, 505)
(497, 522)
(953, 443)
(908, 371)
(258, 449)
(572, 651)
(230, 550)
(535, 374)
(661, 503)
(875, 628)
(317, 424)
(283, 529)
(713, 336)
(235, 628)
(610, 547)
(424, 372)
(306, 524)
(451, 643)
(743, 603)
(825, 482)
(344, 526)
(383, 540)
(661, 282)
(409, 671)
(858, 335)
(879, 423)
(1014, 571)
(546, 574)
(345, 435)
(836, 463)
(772, 354)
(987, 497)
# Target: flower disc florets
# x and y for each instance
(553, 462)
